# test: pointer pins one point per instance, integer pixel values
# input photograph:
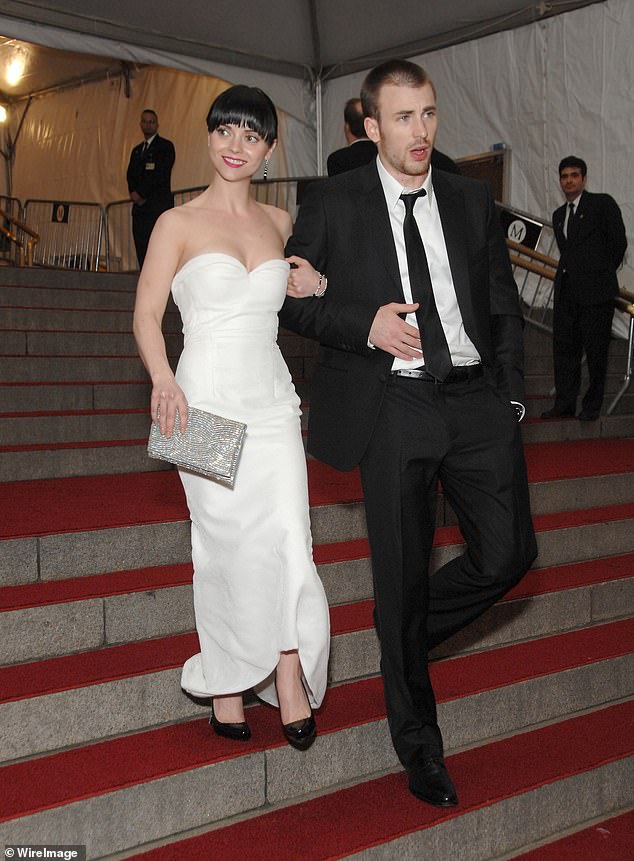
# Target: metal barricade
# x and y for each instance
(535, 287)
(119, 243)
(13, 208)
(70, 232)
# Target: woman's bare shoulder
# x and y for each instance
(280, 218)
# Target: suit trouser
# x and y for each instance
(465, 434)
(576, 328)
(142, 226)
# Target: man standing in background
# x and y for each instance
(149, 176)
(360, 149)
(591, 238)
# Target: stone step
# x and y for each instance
(37, 369)
(605, 838)
(82, 344)
(99, 533)
(535, 363)
(536, 404)
(78, 426)
(555, 430)
(84, 445)
(94, 395)
(50, 619)
(71, 319)
(511, 689)
(56, 279)
(501, 808)
(540, 385)
(111, 298)
(65, 460)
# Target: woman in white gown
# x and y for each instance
(261, 612)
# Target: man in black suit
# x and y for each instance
(591, 238)
(419, 377)
(360, 149)
(149, 178)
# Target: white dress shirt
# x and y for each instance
(462, 349)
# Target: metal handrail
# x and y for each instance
(30, 243)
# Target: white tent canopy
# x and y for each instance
(546, 84)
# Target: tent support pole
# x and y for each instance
(319, 122)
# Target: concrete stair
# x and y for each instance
(101, 746)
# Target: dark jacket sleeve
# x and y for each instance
(506, 316)
(330, 320)
(614, 231)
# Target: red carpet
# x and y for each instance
(610, 840)
(537, 582)
(99, 502)
(78, 773)
(375, 812)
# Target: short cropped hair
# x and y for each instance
(573, 161)
(150, 111)
(249, 107)
(353, 116)
(399, 73)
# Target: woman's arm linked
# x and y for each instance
(153, 289)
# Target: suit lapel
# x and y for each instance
(376, 225)
(451, 206)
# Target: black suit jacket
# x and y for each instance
(150, 174)
(343, 229)
(356, 155)
(594, 249)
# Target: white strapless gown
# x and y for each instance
(256, 590)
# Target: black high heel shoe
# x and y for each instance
(301, 733)
(234, 731)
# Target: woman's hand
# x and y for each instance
(167, 397)
(303, 280)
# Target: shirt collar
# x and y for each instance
(149, 140)
(392, 189)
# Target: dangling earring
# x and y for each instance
(266, 168)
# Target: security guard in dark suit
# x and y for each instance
(149, 175)
(591, 237)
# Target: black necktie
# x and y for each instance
(571, 218)
(435, 350)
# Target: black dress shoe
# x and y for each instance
(234, 731)
(301, 733)
(556, 413)
(587, 417)
(429, 780)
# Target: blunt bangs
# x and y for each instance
(249, 107)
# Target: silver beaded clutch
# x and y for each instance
(211, 445)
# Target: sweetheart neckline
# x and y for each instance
(230, 257)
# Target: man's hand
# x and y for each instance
(391, 333)
(135, 197)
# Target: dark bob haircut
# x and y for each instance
(244, 106)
